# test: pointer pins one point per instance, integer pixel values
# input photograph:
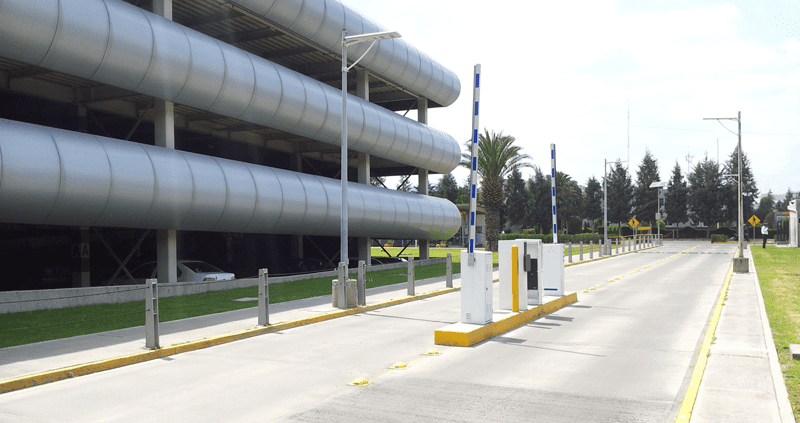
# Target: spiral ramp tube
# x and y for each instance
(55, 177)
(115, 43)
(322, 21)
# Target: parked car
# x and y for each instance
(188, 271)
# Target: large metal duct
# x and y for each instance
(322, 21)
(115, 43)
(56, 177)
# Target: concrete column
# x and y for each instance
(296, 164)
(81, 268)
(422, 117)
(362, 91)
(165, 137)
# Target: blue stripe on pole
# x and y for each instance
(474, 190)
(554, 209)
(551, 289)
(477, 80)
(476, 108)
(472, 246)
(474, 136)
(474, 163)
(472, 219)
(555, 228)
(552, 154)
(553, 172)
(554, 191)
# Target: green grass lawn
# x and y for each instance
(779, 275)
(42, 325)
(434, 252)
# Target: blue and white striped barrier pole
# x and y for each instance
(553, 185)
(473, 178)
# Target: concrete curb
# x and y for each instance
(113, 363)
(480, 333)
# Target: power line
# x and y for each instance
(709, 130)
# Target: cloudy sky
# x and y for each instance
(567, 72)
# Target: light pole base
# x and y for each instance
(741, 265)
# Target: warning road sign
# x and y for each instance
(633, 222)
(754, 220)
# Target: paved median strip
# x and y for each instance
(687, 405)
(113, 363)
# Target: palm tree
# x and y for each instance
(498, 157)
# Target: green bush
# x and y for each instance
(718, 238)
(562, 238)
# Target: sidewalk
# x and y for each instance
(45, 356)
(743, 380)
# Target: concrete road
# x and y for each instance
(623, 353)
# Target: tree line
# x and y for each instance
(707, 195)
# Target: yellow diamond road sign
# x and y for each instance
(633, 222)
(754, 220)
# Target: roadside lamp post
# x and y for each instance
(661, 187)
(740, 223)
(348, 40)
(605, 200)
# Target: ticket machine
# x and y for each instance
(476, 288)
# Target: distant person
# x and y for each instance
(764, 235)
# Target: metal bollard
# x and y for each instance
(263, 297)
(580, 255)
(341, 290)
(448, 265)
(616, 243)
(411, 276)
(591, 250)
(151, 314)
(362, 283)
(600, 249)
(570, 252)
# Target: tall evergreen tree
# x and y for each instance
(706, 194)
(516, 198)
(731, 187)
(645, 199)
(676, 203)
(568, 203)
(447, 188)
(788, 197)
(539, 212)
(765, 207)
(497, 158)
(620, 195)
(592, 201)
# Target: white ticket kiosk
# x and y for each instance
(553, 269)
(476, 288)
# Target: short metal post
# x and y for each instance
(410, 276)
(580, 255)
(263, 297)
(362, 283)
(570, 252)
(600, 248)
(448, 266)
(591, 250)
(151, 314)
(342, 288)
(616, 243)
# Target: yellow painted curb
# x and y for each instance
(685, 413)
(113, 363)
(482, 333)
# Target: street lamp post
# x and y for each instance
(740, 223)
(661, 187)
(605, 201)
(347, 41)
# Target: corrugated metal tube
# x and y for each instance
(56, 177)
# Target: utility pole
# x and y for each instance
(743, 263)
